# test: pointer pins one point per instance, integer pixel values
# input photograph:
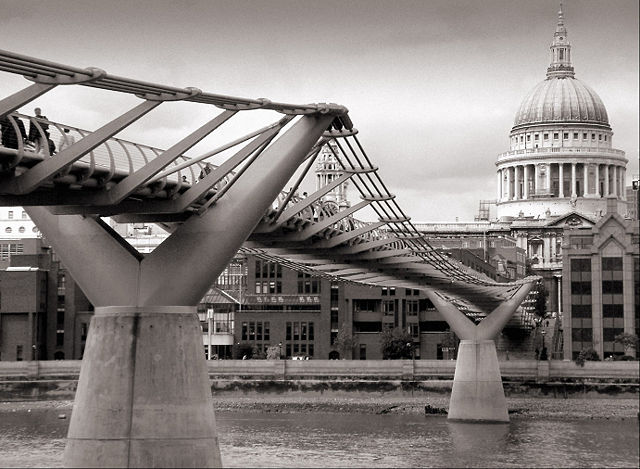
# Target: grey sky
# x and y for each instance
(432, 86)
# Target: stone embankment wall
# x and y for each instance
(58, 379)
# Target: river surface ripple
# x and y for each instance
(251, 439)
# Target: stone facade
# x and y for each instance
(601, 292)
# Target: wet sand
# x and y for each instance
(528, 408)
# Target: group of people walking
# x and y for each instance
(38, 135)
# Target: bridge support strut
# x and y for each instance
(477, 394)
(144, 398)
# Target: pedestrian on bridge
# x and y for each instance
(9, 135)
(66, 140)
(34, 133)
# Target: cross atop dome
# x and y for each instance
(561, 66)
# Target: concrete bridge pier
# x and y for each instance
(477, 394)
(143, 398)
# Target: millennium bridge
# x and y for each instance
(143, 397)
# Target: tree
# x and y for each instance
(273, 352)
(587, 355)
(257, 353)
(627, 340)
(396, 344)
(450, 341)
(345, 343)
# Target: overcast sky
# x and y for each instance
(432, 86)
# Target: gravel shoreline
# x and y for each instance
(525, 408)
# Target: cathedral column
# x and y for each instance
(548, 179)
(607, 191)
(536, 174)
(516, 182)
(623, 183)
(586, 179)
(615, 180)
(597, 192)
(508, 169)
(499, 185)
(573, 180)
(561, 180)
(526, 182)
(546, 250)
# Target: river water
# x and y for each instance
(251, 439)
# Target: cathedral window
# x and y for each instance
(536, 137)
(528, 137)
(575, 135)
(605, 138)
(565, 136)
(521, 138)
(546, 136)
(593, 136)
(599, 136)
(584, 136)
(556, 135)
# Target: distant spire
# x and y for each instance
(560, 66)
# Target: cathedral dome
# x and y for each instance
(561, 99)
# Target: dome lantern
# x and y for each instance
(560, 66)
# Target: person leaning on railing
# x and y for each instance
(10, 138)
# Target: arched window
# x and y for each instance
(21, 229)
(8, 229)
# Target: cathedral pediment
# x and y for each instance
(572, 220)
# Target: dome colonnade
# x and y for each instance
(561, 156)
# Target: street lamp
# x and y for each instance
(280, 350)
(543, 352)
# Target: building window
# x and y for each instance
(8, 229)
(546, 136)
(19, 351)
(21, 229)
(565, 135)
(412, 307)
(593, 136)
(612, 305)
(581, 321)
(10, 215)
(575, 135)
(556, 135)
(605, 138)
(308, 284)
(536, 137)
(584, 136)
(599, 136)
(528, 137)
(363, 351)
